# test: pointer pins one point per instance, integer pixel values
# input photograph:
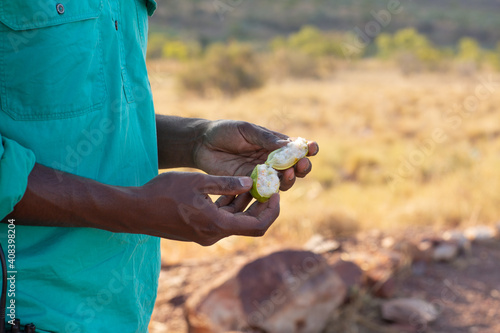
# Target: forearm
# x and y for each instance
(177, 140)
(173, 205)
(54, 198)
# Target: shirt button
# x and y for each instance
(60, 8)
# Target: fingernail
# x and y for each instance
(283, 142)
(246, 181)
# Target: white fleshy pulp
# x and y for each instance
(291, 153)
(268, 182)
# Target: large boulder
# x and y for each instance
(287, 291)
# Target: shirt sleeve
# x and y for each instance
(151, 6)
(16, 163)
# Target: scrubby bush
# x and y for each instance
(155, 45)
(384, 44)
(412, 51)
(492, 58)
(469, 50)
(308, 53)
(224, 70)
(310, 41)
(335, 223)
(469, 56)
(313, 42)
(496, 62)
(285, 63)
(179, 50)
(363, 166)
(161, 46)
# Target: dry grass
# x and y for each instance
(394, 151)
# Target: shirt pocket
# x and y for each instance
(51, 62)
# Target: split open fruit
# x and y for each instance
(265, 177)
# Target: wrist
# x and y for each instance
(119, 210)
(179, 139)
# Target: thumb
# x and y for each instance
(263, 137)
(225, 185)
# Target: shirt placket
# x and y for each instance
(119, 24)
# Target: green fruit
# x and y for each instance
(286, 157)
(265, 177)
(265, 182)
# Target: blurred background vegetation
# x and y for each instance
(372, 91)
(312, 38)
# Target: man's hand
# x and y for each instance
(176, 205)
(223, 147)
(235, 147)
(172, 205)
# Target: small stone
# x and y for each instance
(459, 238)
(480, 233)
(408, 311)
(445, 251)
(318, 244)
(425, 251)
(425, 245)
(381, 283)
(388, 242)
(390, 260)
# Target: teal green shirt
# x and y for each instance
(74, 96)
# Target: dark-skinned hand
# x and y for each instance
(234, 148)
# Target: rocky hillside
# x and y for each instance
(414, 281)
(444, 21)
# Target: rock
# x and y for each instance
(177, 300)
(426, 244)
(388, 242)
(374, 260)
(459, 238)
(419, 268)
(287, 291)
(215, 310)
(318, 244)
(381, 283)
(364, 260)
(425, 250)
(406, 328)
(409, 311)
(480, 233)
(411, 251)
(350, 273)
(379, 269)
(446, 251)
